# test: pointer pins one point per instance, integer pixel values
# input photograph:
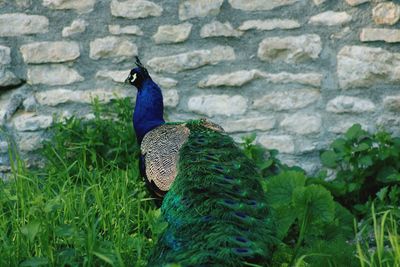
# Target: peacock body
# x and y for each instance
(211, 194)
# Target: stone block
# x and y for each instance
(330, 18)
(269, 24)
(363, 66)
(261, 123)
(211, 105)
(16, 24)
(50, 52)
(302, 123)
(283, 143)
(260, 5)
(217, 29)
(292, 49)
(167, 34)
(28, 121)
(80, 6)
(53, 75)
(386, 13)
(349, 104)
(135, 9)
(77, 26)
(112, 47)
(192, 60)
(287, 100)
(198, 8)
(386, 35)
(131, 29)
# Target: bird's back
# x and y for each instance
(215, 208)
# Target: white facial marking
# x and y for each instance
(133, 78)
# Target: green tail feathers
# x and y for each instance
(216, 208)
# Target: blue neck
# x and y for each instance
(149, 108)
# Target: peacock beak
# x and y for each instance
(127, 80)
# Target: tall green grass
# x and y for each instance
(379, 246)
(87, 206)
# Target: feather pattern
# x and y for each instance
(215, 208)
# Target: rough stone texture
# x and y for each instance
(269, 24)
(5, 53)
(198, 8)
(386, 13)
(216, 29)
(330, 18)
(52, 75)
(343, 126)
(59, 96)
(349, 104)
(287, 100)
(26, 122)
(239, 78)
(386, 35)
(192, 60)
(211, 105)
(284, 91)
(50, 52)
(319, 2)
(3, 147)
(9, 102)
(262, 123)
(15, 24)
(82, 6)
(302, 123)
(167, 34)
(120, 76)
(134, 9)
(283, 143)
(171, 98)
(29, 141)
(77, 26)
(290, 49)
(361, 66)
(118, 30)
(356, 2)
(392, 103)
(252, 5)
(7, 78)
(112, 47)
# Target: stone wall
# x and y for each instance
(296, 72)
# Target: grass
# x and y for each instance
(88, 205)
(381, 245)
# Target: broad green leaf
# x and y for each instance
(328, 158)
(280, 187)
(361, 147)
(30, 230)
(314, 202)
(366, 161)
(284, 217)
(339, 145)
(354, 132)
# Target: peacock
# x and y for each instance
(209, 191)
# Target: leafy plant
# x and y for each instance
(367, 166)
(304, 214)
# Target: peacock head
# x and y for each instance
(137, 75)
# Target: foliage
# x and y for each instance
(307, 218)
(382, 248)
(88, 206)
(367, 166)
